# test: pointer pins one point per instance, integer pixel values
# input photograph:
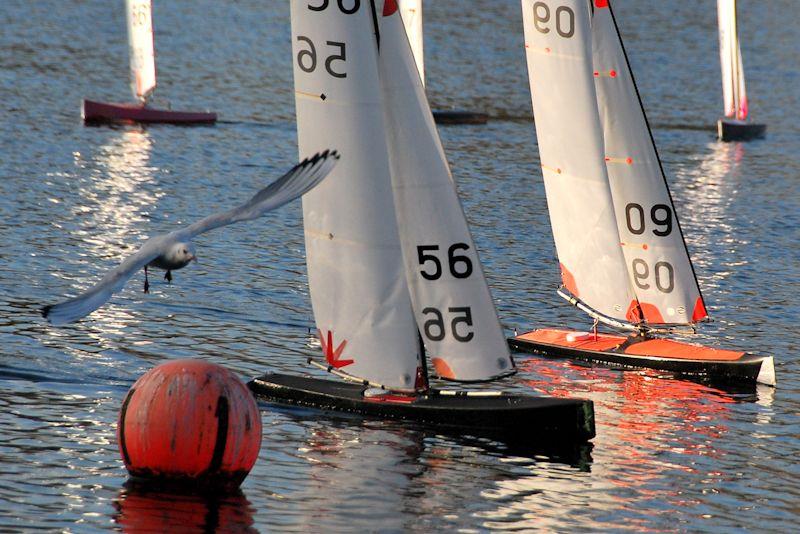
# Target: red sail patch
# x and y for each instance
(699, 310)
(600, 3)
(642, 311)
(442, 369)
(389, 7)
(333, 356)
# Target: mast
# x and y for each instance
(141, 49)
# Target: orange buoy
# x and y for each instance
(190, 421)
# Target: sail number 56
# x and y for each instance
(564, 22)
(434, 326)
(307, 59)
(459, 265)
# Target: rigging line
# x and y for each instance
(375, 24)
(658, 158)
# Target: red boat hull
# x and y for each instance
(92, 111)
(710, 364)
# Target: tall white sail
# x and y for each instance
(452, 303)
(656, 258)
(411, 11)
(139, 14)
(730, 56)
(356, 275)
(558, 46)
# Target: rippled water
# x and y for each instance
(669, 454)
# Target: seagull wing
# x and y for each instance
(91, 299)
(299, 180)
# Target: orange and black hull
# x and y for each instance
(710, 364)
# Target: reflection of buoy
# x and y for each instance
(190, 421)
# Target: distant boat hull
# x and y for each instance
(459, 116)
(713, 365)
(92, 111)
(514, 418)
(735, 130)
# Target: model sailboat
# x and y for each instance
(622, 254)
(141, 52)
(734, 126)
(392, 266)
(411, 13)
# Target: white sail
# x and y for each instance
(411, 11)
(730, 55)
(558, 46)
(141, 49)
(657, 261)
(454, 308)
(356, 276)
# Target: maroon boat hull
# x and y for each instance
(92, 111)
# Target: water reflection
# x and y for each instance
(116, 202)
(143, 509)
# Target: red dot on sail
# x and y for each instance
(612, 73)
(389, 7)
(601, 3)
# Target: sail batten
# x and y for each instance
(141, 49)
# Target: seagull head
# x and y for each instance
(180, 254)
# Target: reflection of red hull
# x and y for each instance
(101, 112)
(653, 353)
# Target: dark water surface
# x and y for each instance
(669, 454)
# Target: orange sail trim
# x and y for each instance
(643, 311)
(442, 369)
(668, 348)
(568, 280)
(699, 310)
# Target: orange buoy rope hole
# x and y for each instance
(189, 421)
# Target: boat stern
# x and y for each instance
(766, 374)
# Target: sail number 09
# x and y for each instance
(564, 19)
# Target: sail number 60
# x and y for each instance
(564, 19)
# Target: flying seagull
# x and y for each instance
(174, 250)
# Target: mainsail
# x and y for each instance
(388, 250)
(617, 236)
(141, 50)
(411, 12)
(730, 57)
(355, 266)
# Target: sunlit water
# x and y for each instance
(669, 454)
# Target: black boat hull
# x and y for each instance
(730, 130)
(510, 417)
